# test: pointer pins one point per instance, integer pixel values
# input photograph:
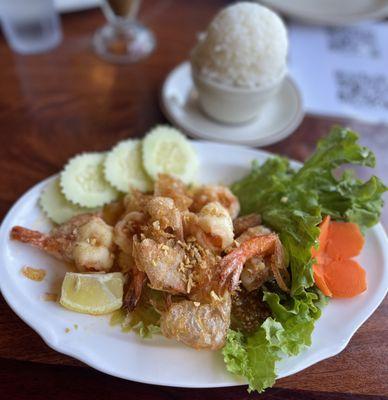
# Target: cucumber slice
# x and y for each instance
(166, 150)
(82, 181)
(123, 167)
(56, 207)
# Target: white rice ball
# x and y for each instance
(245, 46)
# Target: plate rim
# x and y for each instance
(331, 20)
(285, 132)
(58, 344)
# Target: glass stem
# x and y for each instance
(134, 10)
(120, 23)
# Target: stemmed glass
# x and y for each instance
(123, 39)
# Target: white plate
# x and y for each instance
(280, 117)
(331, 12)
(65, 6)
(161, 361)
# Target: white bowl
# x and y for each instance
(231, 104)
(279, 117)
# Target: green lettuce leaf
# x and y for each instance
(293, 203)
(346, 198)
(292, 321)
(287, 332)
(251, 357)
(235, 354)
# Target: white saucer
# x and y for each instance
(280, 117)
(331, 12)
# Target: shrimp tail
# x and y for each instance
(36, 239)
(231, 265)
(230, 270)
(134, 291)
(24, 235)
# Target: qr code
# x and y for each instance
(362, 89)
(353, 41)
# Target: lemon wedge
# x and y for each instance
(92, 293)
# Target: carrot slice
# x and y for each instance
(322, 239)
(319, 279)
(322, 258)
(335, 274)
(345, 278)
(344, 240)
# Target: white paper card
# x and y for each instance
(342, 71)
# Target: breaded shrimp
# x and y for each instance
(161, 263)
(231, 265)
(85, 240)
(212, 226)
(213, 193)
(198, 325)
(174, 188)
(126, 227)
(162, 211)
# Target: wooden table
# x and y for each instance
(55, 105)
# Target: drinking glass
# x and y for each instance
(123, 39)
(30, 26)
